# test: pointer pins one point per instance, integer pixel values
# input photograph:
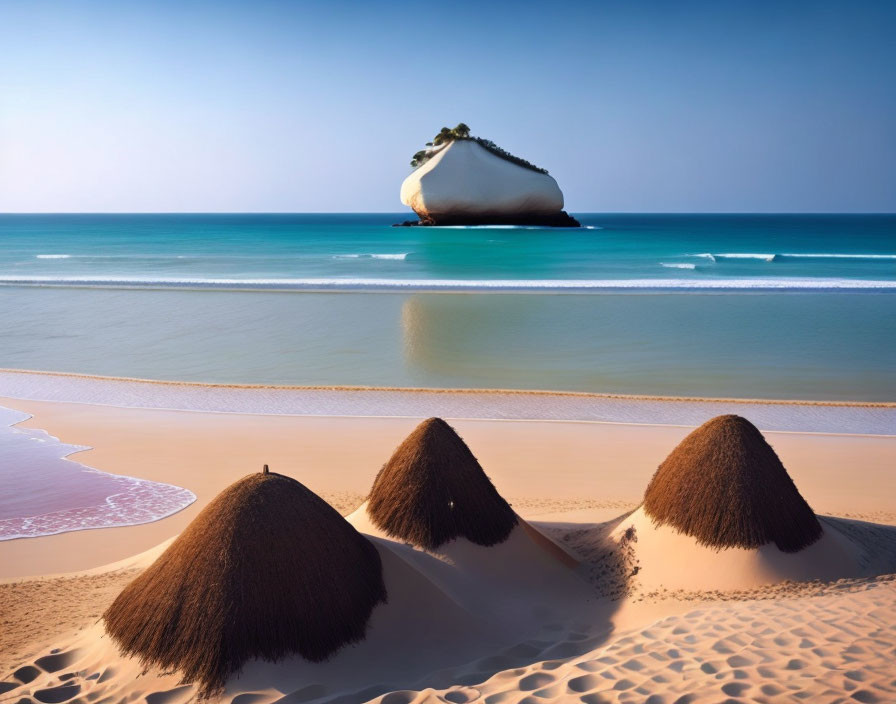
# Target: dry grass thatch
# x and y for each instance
(267, 569)
(725, 486)
(433, 490)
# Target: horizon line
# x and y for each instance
(404, 213)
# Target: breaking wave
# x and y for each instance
(398, 257)
(676, 265)
(774, 257)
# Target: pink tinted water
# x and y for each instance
(43, 493)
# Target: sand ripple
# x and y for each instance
(834, 647)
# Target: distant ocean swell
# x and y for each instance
(401, 256)
(394, 284)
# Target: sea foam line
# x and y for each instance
(735, 255)
(53, 256)
(130, 501)
(825, 255)
(677, 265)
(771, 257)
(336, 284)
(399, 257)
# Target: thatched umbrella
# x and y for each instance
(725, 486)
(267, 569)
(433, 490)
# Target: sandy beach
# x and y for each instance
(542, 467)
(573, 481)
(486, 353)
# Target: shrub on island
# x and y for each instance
(462, 132)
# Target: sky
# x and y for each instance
(633, 106)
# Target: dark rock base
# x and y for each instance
(559, 219)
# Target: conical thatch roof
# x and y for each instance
(267, 569)
(725, 486)
(433, 490)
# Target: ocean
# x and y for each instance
(752, 306)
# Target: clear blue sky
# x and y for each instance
(318, 106)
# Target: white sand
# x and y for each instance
(668, 559)
(527, 573)
(519, 622)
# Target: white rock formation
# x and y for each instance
(463, 181)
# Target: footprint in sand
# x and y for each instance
(26, 674)
(108, 674)
(464, 695)
(536, 680)
(584, 683)
(402, 697)
(169, 696)
(56, 695)
(249, 698)
(57, 661)
(735, 689)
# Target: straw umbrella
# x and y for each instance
(725, 486)
(433, 490)
(266, 570)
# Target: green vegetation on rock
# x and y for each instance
(460, 133)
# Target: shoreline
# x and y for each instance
(460, 390)
(69, 456)
(836, 418)
(598, 470)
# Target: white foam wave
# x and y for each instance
(675, 265)
(337, 284)
(789, 255)
(123, 501)
(140, 501)
(398, 257)
(53, 256)
(736, 255)
(827, 255)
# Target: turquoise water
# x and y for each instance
(344, 251)
(804, 309)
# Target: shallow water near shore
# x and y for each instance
(807, 346)
(56, 495)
